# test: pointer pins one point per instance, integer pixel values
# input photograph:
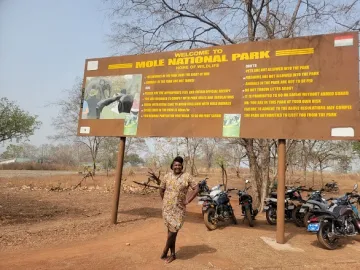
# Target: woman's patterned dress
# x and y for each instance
(176, 187)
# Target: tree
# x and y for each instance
(134, 159)
(15, 123)
(13, 151)
(135, 145)
(192, 146)
(208, 147)
(343, 164)
(356, 148)
(158, 25)
(66, 122)
(108, 152)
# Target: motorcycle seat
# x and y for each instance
(335, 214)
(274, 200)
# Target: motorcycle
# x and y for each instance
(205, 191)
(292, 199)
(316, 210)
(313, 200)
(245, 200)
(339, 221)
(331, 187)
(203, 187)
(216, 207)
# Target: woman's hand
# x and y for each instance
(162, 191)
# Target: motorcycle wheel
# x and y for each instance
(249, 217)
(298, 217)
(323, 238)
(270, 216)
(208, 216)
(307, 217)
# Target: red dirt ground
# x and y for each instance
(40, 229)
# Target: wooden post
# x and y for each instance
(118, 175)
(280, 212)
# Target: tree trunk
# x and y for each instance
(305, 161)
(313, 176)
(321, 174)
(94, 167)
(265, 163)
(259, 168)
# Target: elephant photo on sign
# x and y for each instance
(111, 97)
(231, 125)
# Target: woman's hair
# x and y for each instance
(177, 159)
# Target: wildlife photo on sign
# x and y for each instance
(231, 125)
(112, 97)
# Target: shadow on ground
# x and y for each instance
(189, 252)
(194, 217)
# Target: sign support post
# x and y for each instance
(118, 175)
(280, 212)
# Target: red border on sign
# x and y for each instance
(344, 37)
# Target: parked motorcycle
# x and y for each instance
(340, 220)
(204, 191)
(315, 202)
(331, 187)
(203, 187)
(292, 198)
(314, 199)
(217, 207)
(245, 200)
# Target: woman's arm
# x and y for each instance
(162, 188)
(162, 191)
(193, 195)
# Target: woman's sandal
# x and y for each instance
(171, 258)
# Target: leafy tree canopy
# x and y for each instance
(14, 122)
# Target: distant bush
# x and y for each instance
(36, 166)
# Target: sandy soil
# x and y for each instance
(71, 229)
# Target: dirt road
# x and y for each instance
(230, 247)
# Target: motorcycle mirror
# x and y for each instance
(247, 181)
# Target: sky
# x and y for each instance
(43, 47)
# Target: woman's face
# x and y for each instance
(177, 167)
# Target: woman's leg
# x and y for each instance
(173, 242)
(167, 246)
(172, 247)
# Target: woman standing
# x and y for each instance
(173, 190)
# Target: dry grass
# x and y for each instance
(36, 166)
(63, 181)
(345, 181)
